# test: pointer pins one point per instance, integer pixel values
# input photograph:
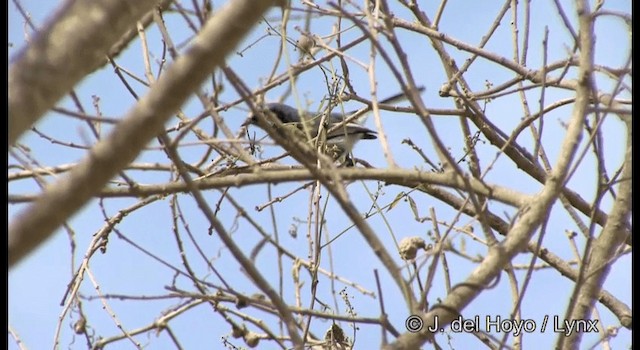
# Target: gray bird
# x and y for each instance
(339, 142)
(342, 138)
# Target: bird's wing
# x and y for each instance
(353, 129)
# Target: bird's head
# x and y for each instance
(284, 113)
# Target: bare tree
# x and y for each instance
(490, 210)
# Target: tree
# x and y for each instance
(493, 209)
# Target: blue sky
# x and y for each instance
(37, 284)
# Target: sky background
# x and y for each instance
(37, 284)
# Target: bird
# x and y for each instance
(339, 142)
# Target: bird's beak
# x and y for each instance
(253, 120)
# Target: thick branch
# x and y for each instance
(143, 122)
(68, 48)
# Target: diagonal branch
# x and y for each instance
(69, 47)
(146, 120)
(533, 214)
